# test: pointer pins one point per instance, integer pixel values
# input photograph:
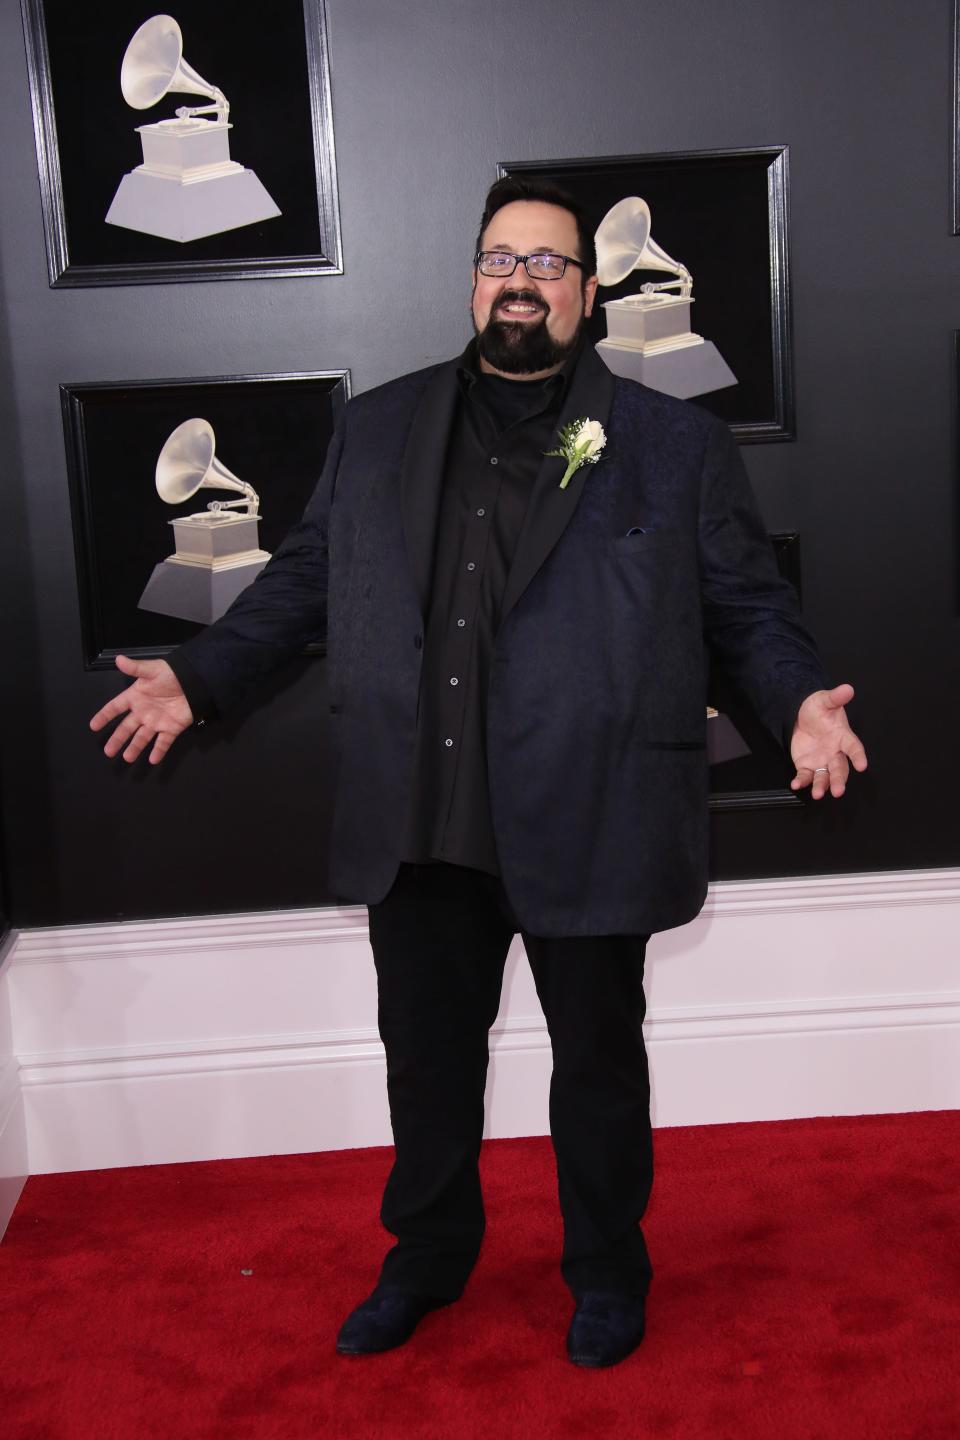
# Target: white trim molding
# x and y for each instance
(158, 1041)
(13, 1135)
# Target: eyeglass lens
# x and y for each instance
(538, 267)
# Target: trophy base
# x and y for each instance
(645, 320)
(217, 538)
(724, 741)
(684, 371)
(197, 592)
(175, 208)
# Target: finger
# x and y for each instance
(138, 744)
(160, 747)
(830, 778)
(120, 736)
(856, 754)
(839, 773)
(840, 695)
(135, 668)
(119, 705)
(820, 782)
(817, 777)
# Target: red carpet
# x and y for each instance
(807, 1288)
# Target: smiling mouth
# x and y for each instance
(520, 307)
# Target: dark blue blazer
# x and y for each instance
(596, 724)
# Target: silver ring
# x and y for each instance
(821, 770)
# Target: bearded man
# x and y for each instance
(517, 680)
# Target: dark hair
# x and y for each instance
(517, 187)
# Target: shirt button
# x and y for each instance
(454, 680)
(493, 460)
(448, 742)
(470, 565)
(461, 623)
(481, 513)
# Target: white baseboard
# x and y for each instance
(181, 1040)
(13, 1135)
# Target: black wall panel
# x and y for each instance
(426, 101)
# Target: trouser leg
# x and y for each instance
(591, 990)
(439, 941)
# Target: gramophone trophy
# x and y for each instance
(217, 549)
(648, 334)
(187, 186)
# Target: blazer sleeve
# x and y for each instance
(284, 609)
(751, 614)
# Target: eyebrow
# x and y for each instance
(537, 249)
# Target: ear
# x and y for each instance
(589, 294)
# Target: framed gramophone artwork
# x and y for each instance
(196, 145)
(694, 276)
(180, 491)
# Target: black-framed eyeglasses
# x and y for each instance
(500, 264)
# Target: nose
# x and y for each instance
(525, 280)
(520, 280)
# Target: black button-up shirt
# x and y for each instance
(500, 434)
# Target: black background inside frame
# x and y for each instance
(711, 213)
(260, 63)
(273, 433)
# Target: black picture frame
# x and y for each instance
(271, 430)
(723, 214)
(274, 69)
(760, 779)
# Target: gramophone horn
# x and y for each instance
(624, 243)
(187, 463)
(153, 64)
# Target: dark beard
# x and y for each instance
(518, 347)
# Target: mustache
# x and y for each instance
(525, 297)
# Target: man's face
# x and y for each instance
(527, 328)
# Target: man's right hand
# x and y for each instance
(154, 709)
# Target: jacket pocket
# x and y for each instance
(643, 540)
(674, 744)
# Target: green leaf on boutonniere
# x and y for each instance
(579, 443)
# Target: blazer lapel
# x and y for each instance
(421, 475)
(590, 397)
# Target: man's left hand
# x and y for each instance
(823, 746)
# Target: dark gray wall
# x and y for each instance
(427, 98)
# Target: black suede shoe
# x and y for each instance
(387, 1318)
(605, 1328)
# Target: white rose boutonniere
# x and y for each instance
(581, 442)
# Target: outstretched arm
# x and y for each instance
(751, 614)
(752, 621)
(823, 746)
(154, 710)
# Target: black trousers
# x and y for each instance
(440, 939)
